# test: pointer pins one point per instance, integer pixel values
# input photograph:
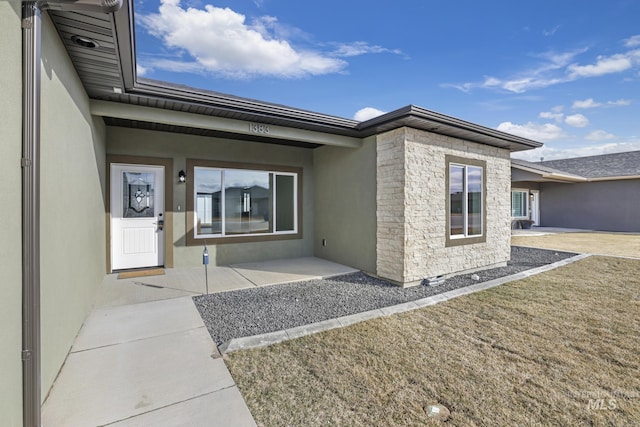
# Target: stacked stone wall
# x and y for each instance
(412, 206)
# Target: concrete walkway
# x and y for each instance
(541, 231)
(144, 357)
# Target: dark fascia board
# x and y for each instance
(440, 123)
(254, 110)
(234, 104)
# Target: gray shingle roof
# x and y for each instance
(536, 166)
(602, 166)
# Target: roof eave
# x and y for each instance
(551, 176)
(445, 125)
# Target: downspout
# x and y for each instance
(31, 393)
(31, 58)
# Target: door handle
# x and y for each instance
(160, 225)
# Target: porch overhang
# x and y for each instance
(270, 132)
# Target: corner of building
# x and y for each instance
(10, 214)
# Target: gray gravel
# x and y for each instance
(257, 311)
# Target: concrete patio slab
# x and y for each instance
(144, 357)
(221, 408)
(290, 270)
(115, 292)
(116, 325)
(176, 282)
(109, 384)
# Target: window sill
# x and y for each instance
(461, 241)
(200, 241)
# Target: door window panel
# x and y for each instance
(138, 195)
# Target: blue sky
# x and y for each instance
(566, 73)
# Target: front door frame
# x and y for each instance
(168, 201)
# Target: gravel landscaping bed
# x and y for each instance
(257, 311)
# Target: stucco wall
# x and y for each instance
(412, 206)
(605, 206)
(518, 175)
(180, 147)
(72, 204)
(10, 214)
(345, 205)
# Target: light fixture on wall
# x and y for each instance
(182, 177)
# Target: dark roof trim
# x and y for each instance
(546, 172)
(440, 123)
(222, 101)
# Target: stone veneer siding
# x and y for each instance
(411, 206)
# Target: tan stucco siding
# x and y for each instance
(10, 214)
(345, 205)
(72, 204)
(180, 147)
(417, 247)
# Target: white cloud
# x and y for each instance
(140, 70)
(537, 132)
(604, 65)
(361, 48)
(632, 41)
(220, 41)
(587, 103)
(590, 103)
(546, 73)
(558, 67)
(576, 120)
(550, 153)
(367, 113)
(551, 32)
(551, 115)
(619, 103)
(599, 135)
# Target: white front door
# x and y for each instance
(137, 221)
(535, 207)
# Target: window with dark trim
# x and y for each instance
(234, 202)
(466, 200)
(520, 204)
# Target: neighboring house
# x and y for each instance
(593, 193)
(138, 173)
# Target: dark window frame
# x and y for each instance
(457, 240)
(191, 238)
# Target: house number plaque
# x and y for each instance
(258, 128)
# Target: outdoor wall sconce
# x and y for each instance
(182, 177)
